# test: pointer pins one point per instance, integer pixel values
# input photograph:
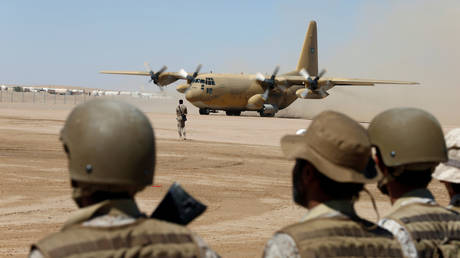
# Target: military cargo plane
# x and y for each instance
(234, 93)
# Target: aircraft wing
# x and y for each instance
(126, 73)
(164, 79)
(297, 79)
(290, 79)
(325, 84)
(362, 82)
(169, 77)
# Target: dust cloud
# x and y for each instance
(412, 40)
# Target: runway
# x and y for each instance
(232, 164)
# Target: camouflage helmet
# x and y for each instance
(109, 143)
(408, 137)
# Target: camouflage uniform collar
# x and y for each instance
(455, 201)
(118, 207)
(331, 209)
(421, 195)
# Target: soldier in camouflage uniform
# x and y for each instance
(181, 117)
(110, 147)
(449, 172)
(409, 145)
(330, 172)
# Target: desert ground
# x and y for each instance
(232, 164)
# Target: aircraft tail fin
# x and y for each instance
(308, 59)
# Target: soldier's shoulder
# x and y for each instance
(422, 212)
(281, 245)
(455, 209)
(330, 226)
(79, 233)
(48, 242)
(327, 237)
(164, 226)
(315, 224)
(143, 224)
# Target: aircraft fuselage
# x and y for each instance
(231, 92)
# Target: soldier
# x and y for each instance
(409, 145)
(181, 117)
(110, 146)
(449, 172)
(329, 173)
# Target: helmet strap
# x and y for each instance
(388, 177)
(79, 194)
(374, 205)
(83, 193)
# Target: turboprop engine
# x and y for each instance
(309, 94)
(182, 87)
(256, 102)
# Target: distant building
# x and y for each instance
(112, 93)
(77, 92)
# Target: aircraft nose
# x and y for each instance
(193, 95)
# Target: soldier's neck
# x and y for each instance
(94, 199)
(312, 204)
(317, 200)
(397, 190)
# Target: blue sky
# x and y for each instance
(68, 42)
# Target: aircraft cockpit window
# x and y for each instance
(202, 81)
(210, 81)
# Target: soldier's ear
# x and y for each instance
(308, 173)
(379, 162)
(66, 150)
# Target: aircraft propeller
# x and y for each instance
(154, 77)
(313, 82)
(268, 83)
(192, 77)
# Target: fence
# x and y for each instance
(47, 98)
(40, 97)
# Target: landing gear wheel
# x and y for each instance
(233, 113)
(204, 111)
(262, 114)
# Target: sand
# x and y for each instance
(232, 164)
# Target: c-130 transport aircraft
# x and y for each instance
(235, 93)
